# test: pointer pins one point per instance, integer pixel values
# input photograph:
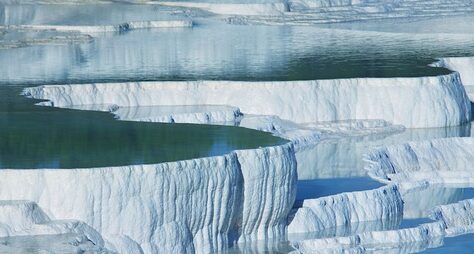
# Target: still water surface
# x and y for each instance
(36, 137)
(40, 137)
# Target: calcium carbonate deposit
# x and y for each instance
(412, 102)
(236, 126)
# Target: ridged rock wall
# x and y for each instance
(195, 205)
(413, 102)
(439, 160)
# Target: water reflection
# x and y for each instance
(418, 203)
(343, 158)
(43, 137)
(220, 51)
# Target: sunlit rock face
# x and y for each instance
(25, 227)
(409, 240)
(439, 160)
(179, 114)
(458, 217)
(123, 27)
(235, 8)
(344, 157)
(331, 11)
(198, 114)
(196, 205)
(383, 205)
(412, 102)
(463, 65)
(202, 205)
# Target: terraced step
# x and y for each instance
(343, 11)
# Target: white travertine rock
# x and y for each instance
(195, 205)
(412, 102)
(105, 28)
(250, 9)
(203, 114)
(307, 12)
(447, 160)
(21, 218)
(463, 65)
(344, 157)
(382, 204)
(55, 243)
(24, 222)
(407, 240)
(458, 217)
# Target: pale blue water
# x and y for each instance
(463, 244)
(35, 137)
(316, 188)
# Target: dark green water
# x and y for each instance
(43, 137)
(218, 51)
(39, 137)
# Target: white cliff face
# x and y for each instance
(450, 220)
(344, 157)
(408, 240)
(416, 167)
(412, 102)
(305, 136)
(201, 205)
(247, 9)
(131, 25)
(383, 204)
(61, 243)
(199, 114)
(87, 12)
(458, 217)
(305, 4)
(463, 65)
(204, 114)
(24, 222)
(269, 191)
(331, 11)
(439, 160)
(196, 205)
(298, 134)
